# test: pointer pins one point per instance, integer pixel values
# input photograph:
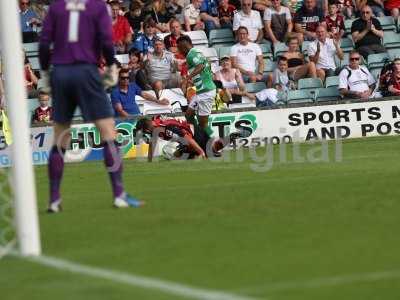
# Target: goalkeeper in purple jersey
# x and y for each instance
(80, 32)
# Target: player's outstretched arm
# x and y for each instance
(192, 144)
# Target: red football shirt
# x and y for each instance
(120, 29)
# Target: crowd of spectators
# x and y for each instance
(148, 31)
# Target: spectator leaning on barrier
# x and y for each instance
(367, 33)
(356, 81)
(278, 23)
(307, 19)
(394, 81)
(123, 97)
(44, 113)
(322, 52)
(161, 68)
(29, 21)
(251, 19)
(121, 30)
(248, 58)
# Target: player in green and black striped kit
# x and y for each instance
(201, 76)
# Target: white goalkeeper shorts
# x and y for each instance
(202, 103)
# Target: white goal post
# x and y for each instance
(23, 186)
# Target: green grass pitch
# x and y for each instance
(301, 231)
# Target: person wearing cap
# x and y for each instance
(231, 79)
(44, 113)
(161, 68)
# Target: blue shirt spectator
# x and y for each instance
(144, 42)
(209, 14)
(126, 98)
(29, 20)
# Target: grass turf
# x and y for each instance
(221, 225)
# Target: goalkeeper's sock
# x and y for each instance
(113, 163)
(55, 171)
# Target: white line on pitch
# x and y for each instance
(324, 282)
(163, 286)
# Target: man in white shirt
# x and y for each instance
(322, 52)
(247, 57)
(251, 19)
(356, 81)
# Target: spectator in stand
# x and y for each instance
(334, 22)
(278, 23)
(346, 8)
(250, 19)
(367, 33)
(144, 42)
(231, 79)
(393, 6)
(247, 57)
(161, 68)
(308, 17)
(135, 16)
(394, 82)
(29, 21)
(123, 97)
(280, 75)
(225, 13)
(356, 81)
(121, 30)
(40, 7)
(191, 15)
(376, 6)
(31, 79)
(171, 45)
(297, 65)
(174, 7)
(322, 52)
(136, 72)
(44, 113)
(160, 15)
(209, 14)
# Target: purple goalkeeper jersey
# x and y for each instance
(80, 31)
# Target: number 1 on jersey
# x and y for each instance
(73, 27)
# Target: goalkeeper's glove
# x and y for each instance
(110, 76)
(44, 82)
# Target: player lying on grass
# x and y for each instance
(191, 144)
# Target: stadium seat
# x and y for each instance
(347, 25)
(224, 51)
(332, 81)
(394, 53)
(221, 36)
(304, 47)
(346, 44)
(211, 55)
(255, 87)
(376, 72)
(301, 96)
(122, 58)
(266, 50)
(198, 37)
(391, 40)
(387, 23)
(377, 60)
(269, 65)
(327, 94)
(309, 83)
(34, 61)
(31, 49)
(279, 49)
